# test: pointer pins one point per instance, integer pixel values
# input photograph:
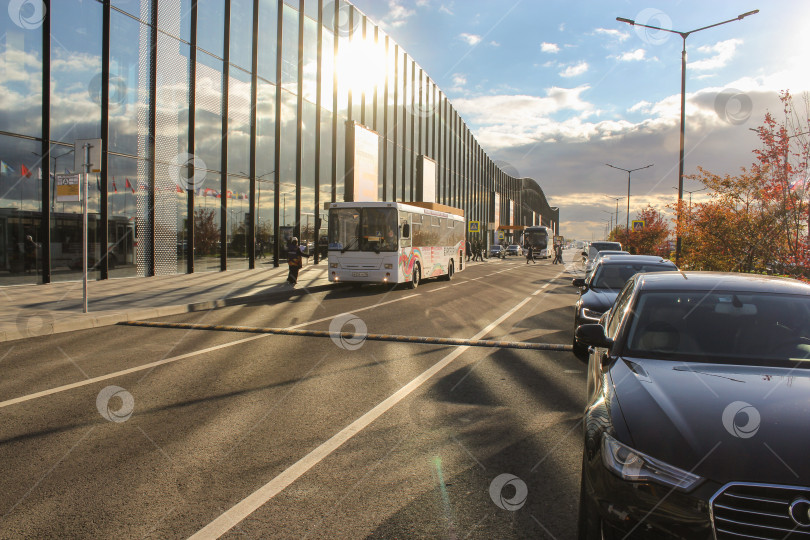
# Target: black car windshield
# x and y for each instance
(721, 327)
(613, 275)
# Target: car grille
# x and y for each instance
(760, 511)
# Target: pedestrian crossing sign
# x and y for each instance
(475, 226)
(638, 225)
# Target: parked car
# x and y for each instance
(595, 247)
(497, 251)
(590, 264)
(696, 420)
(598, 292)
(514, 249)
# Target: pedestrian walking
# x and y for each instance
(557, 254)
(295, 260)
(468, 250)
(530, 255)
(479, 252)
(260, 248)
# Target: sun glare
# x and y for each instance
(362, 63)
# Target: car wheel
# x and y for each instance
(415, 277)
(589, 522)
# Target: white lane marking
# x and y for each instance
(151, 365)
(440, 288)
(230, 518)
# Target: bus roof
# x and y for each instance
(417, 207)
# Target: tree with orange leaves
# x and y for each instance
(651, 240)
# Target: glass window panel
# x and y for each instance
(308, 174)
(208, 112)
(265, 131)
(210, 26)
(21, 74)
(288, 169)
(239, 122)
(357, 72)
(327, 69)
(325, 175)
(175, 18)
(289, 50)
(340, 159)
(121, 208)
(75, 70)
(207, 224)
(129, 85)
(137, 8)
(311, 8)
(241, 46)
(309, 64)
(238, 195)
(268, 32)
(20, 211)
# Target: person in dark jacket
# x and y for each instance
(468, 250)
(530, 255)
(295, 257)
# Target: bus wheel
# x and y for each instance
(414, 283)
(450, 271)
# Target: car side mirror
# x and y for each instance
(593, 335)
(578, 282)
(584, 253)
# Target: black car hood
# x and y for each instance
(599, 300)
(684, 414)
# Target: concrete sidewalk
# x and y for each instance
(39, 310)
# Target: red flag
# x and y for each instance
(24, 171)
(130, 186)
(115, 189)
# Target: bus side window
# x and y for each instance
(405, 230)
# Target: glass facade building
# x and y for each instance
(222, 128)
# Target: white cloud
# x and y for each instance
(573, 71)
(641, 106)
(613, 33)
(471, 39)
(561, 28)
(722, 52)
(446, 10)
(397, 15)
(549, 47)
(631, 56)
(459, 80)
(494, 44)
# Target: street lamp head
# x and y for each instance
(628, 21)
(744, 15)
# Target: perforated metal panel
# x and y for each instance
(141, 184)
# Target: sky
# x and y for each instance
(554, 90)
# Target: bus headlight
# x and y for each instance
(388, 266)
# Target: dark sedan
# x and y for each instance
(599, 290)
(697, 422)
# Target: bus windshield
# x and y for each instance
(363, 229)
(537, 238)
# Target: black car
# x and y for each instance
(697, 421)
(596, 247)
(598, 291)
(497, 251)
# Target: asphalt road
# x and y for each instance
(133, 432)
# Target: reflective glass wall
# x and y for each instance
(223, 133)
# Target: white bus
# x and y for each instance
(391, 242)
(538, 237)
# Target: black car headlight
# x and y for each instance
(634, 466)
(591, 314)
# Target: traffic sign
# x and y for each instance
(638, 225)
(475, 226)
(500, 235)
(67, 188)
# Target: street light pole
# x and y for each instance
(628, 171)
(683, 35)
